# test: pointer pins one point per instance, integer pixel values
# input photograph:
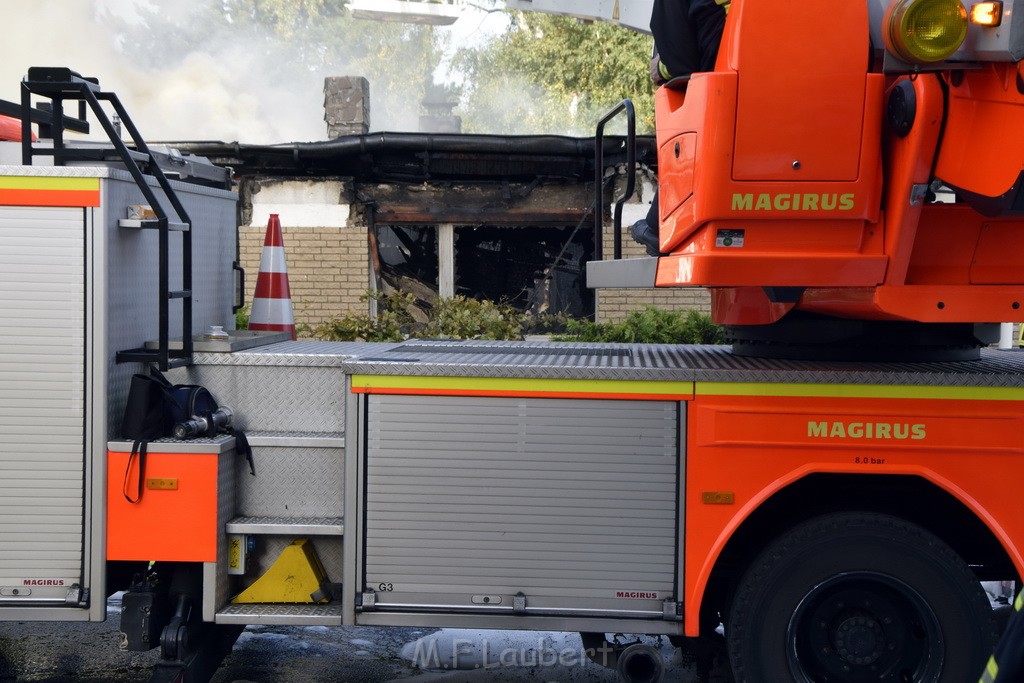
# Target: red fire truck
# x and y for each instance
(849, 175)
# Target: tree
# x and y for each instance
(554, 74)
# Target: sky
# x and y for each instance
(216, 94)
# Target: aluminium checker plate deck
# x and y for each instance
(571, 360)
(679, 363)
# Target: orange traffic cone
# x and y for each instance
(272, 302)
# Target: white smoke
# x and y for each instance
(227, 88)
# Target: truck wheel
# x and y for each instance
(859, 597)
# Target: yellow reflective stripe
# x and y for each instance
(991, 671)
(858, 391)
(1019, 602)
(519, 385)
(46, 183)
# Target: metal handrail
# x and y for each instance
(627, 106)
(61, 84)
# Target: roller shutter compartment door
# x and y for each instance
(42, 392)
(472, 501)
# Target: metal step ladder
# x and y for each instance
(61, 84)
(328, 524)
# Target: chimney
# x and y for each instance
(346, 105)
(438, 104)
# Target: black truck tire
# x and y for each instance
(859, 596)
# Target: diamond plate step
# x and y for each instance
(281, 615)
(287, 526)
(279, 439)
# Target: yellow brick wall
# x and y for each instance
(328, 269)
(613, 305)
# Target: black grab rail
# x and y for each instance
(60, 84)
(627, 106)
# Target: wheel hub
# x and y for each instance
(860, 640)
(863, 627)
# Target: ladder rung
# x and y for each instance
(176, 357)
(183, 294)
(136, 356)
(151, 224)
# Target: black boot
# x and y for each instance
(644, 234)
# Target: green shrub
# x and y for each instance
(392, 323)
(649, 326)
(242, 317)
(456, 318)
(547, 323)
(464, 318)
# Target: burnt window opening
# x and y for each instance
(535, 269)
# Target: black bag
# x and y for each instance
(154, 407)
(147, 415)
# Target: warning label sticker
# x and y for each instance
(729, 238)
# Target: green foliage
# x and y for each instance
(242, 317)
(649, 326)
(391, 324)
(547, 323)
(551, 73)
(456, 318)
(464, 318)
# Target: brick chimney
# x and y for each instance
(346, 105)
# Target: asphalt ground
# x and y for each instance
(88, 653)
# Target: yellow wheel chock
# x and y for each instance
(295, 577)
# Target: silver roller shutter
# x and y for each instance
(42, 394)
(572, 503)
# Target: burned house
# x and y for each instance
(507, 218)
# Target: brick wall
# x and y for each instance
(325, 243)
(615, 304)
(328, 269)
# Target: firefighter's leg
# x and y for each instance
(1007, 663)
(645, 230)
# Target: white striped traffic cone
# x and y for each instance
(272, 301)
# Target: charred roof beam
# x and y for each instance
(423, 157)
